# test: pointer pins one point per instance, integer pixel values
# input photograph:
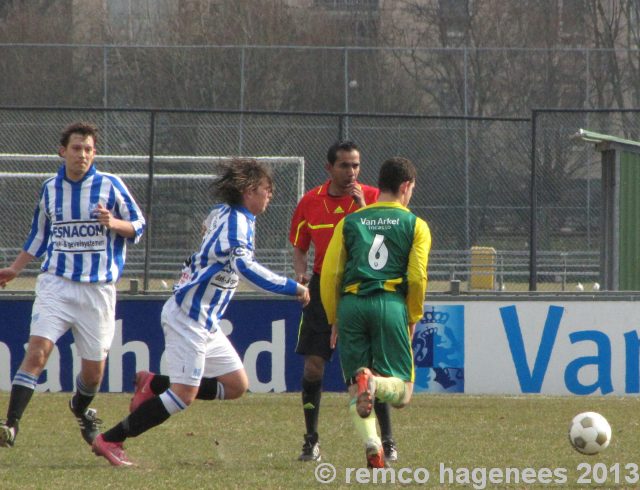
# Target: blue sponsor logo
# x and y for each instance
(531, 378)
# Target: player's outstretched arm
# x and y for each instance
(302, 294)
(244, 263)
(9, 273)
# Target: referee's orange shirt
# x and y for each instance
(316, 216)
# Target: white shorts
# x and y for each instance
(192, 352)
(88, 309)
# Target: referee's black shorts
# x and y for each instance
(314, 334)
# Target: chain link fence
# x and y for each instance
(460, 81)
(473, 187)
(568, 186)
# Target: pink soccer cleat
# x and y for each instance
(112, 451)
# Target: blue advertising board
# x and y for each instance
(263, 331)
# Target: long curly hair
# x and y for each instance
(238, 175)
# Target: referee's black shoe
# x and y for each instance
(390, 450)
(88, 422)
(310, 448)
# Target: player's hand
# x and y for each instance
(412, 330)
(104, 216)
(358, 195)
(303, 294)
(7, 275)
(333, 341)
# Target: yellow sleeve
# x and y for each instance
(331, 273)
(417, 270)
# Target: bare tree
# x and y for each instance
(615, 66)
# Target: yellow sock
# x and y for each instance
(390, 390)
(366, 428)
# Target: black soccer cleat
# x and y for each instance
(390, 450)
(310, 449)
(89, 423)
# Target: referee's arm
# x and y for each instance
(300, 262)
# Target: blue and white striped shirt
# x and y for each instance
(211, 275)
(65, 227)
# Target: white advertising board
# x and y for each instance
(566, 348)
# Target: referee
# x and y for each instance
(81, 225)
(314, 220)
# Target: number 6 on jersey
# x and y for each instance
(378, 253)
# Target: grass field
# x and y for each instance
(254, 442)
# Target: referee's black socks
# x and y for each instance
(383, 414)
(311, 393)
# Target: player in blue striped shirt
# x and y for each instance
(81, 225)
(201, 361)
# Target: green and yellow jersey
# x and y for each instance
(381, 247)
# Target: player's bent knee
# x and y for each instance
(235, 387)
(234, 391)
(235, 384)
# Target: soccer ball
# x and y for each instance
(589, 433)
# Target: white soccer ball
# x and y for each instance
(589, 433)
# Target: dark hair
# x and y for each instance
(238, 175)
(83, 128)
(332, 154)
(394, 172)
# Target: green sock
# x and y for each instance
(366, 428)
(390, 390)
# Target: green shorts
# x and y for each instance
(373, 332)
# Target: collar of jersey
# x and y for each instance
(62, 174)
(245, 211)
(385, 204)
